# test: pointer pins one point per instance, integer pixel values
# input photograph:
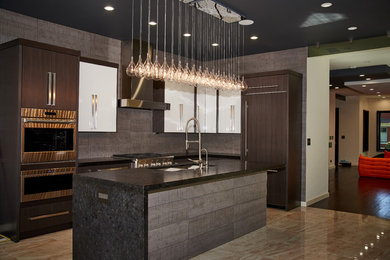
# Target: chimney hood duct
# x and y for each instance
(136, 92)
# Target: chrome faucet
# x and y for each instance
(199, 141)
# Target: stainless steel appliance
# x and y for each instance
(46, 183)
(147, 160)
(48, 135)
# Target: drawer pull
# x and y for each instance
(49, 215)
(273, 171)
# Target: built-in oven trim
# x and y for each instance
(47, 118)
(45, 172)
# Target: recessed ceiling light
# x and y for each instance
(362, 75)
(378, 92)
(215, 44)
(187, 35)
(363, 86)
(379, 95)
(330, 85)
(368, 78)
(152, 23)
(383, 97)
(352, 28)
(109, 8)
(246, 22)
(326, 5)
(371, 89)
(336, 87)
(254, 37)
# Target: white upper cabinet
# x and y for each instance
(206, 109)
(181, 98)
(229, 117)
(97, 98)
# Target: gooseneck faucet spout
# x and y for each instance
(199, 141)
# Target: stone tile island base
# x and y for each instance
(176, 223)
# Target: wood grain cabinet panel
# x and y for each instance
(271, 132)
(49, 75)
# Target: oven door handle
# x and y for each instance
(32, 120)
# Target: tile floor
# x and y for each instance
(302, 233)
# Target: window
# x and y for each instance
(383, 129)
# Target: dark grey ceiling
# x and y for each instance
(277, 22)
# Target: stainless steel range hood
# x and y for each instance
(142, 95)
(136, 92)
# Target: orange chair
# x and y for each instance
(374, 167)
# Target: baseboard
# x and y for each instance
(310, 202)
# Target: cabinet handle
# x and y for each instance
(232, 118)
(54, 79)
(49, 215)
(48, 121)
(93, 112)
(181, 117)
(246, 128)
(96, 109)
(48, 86)
(273, 171)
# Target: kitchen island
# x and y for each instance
(166, 213)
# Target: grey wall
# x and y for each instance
(293, 59)
(134, 126)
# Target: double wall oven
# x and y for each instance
(48, 153)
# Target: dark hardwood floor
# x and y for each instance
(348, 192)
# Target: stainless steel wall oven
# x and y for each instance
(46, 183)
(48, 135)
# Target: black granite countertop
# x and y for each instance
(114, 160)
(151, 179)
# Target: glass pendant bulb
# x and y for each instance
(148, 68)
(130, 70)
(186, 74)
(163, 71)
(156, 67)
(139, 68)
(192, 76)
(179, 72)
(171, 71)
(198, 75)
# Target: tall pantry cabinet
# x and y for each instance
(272, 130)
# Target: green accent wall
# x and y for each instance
(342, 47)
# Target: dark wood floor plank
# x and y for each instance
(350, 193)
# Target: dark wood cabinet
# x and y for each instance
(45, 216)
(25, 67)
(49, 79)
(271, 132)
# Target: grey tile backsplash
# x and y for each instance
(134, 135)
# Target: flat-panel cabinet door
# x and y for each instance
(206, 109)
(181, 98)
(97, 98)
(65, 71)
(276, 188)
(229, 112)
(265, 134)
(36, 77)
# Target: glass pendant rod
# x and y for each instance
(156, 48)
(132, 29)
(148, 52)
(140, 29)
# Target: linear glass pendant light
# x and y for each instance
(209, 45)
